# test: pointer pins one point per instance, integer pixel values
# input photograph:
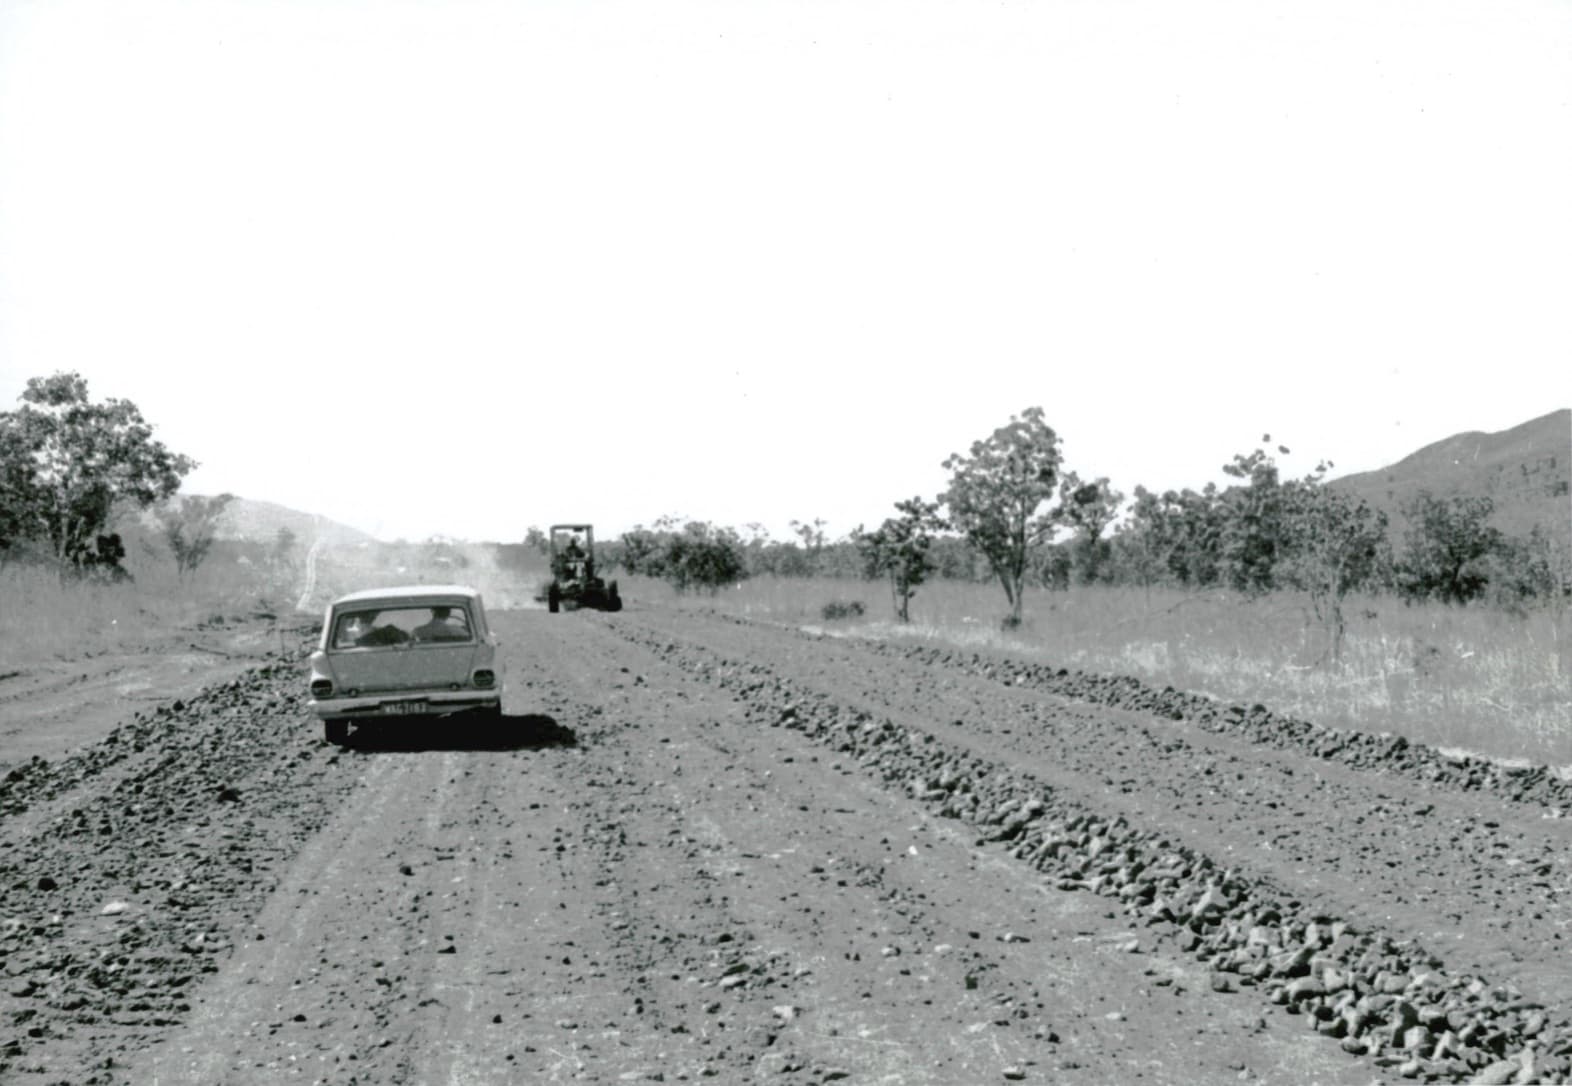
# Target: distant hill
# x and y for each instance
(258, 521)
(1526, 471)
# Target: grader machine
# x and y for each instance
(574, 584)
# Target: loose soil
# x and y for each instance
(50, 708)
(701, 848)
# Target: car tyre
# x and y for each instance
(613, 600)
(336, 731)
(553, 599)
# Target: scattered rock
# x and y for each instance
(1499, 1073)
(1304, 988)
(778, 1063)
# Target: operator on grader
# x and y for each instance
(574, 584)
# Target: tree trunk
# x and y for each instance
(1335, 627)
(1015, 602)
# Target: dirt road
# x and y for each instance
(50, 708)
(705, 849)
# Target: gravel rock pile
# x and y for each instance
(38, 780)
(1361, 750)
(1390, 1000)
(144, 857)
(22, 783)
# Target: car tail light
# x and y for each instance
(485, 678)
(321, 688)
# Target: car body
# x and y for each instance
(414, 650)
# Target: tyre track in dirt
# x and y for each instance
(641, 883)
(1477, 881)
(824, 927)
(128, 871)
(1380, 753)
(51, 708)
(693, 851)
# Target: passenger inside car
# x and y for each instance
(444, 626)
(383, 635)
(353, 627)
(359, 629)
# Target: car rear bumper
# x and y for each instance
(405, 703)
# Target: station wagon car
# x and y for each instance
(419, 650)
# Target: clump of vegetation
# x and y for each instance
(1447, 549)
(1335, 545)
(67, 464)
(996, 494)
(189, 526)
(841, 609)
(71, 470)
(1088, 510)
(899, 550)
(696, 555)
(1017, 516)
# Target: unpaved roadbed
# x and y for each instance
(698, 849)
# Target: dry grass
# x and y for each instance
(1471, 679)
(1465, 678)
(45, 618)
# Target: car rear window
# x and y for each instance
(384, 627)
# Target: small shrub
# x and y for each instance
(837, 609)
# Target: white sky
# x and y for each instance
(756, 262)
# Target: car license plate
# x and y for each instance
(402, 708)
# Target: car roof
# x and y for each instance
(410, 592)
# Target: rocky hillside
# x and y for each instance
(260, 521)
(251, 521)
(1526, 471)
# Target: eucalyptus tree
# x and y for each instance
(66, 463)
(996, 496)
(900, 550)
